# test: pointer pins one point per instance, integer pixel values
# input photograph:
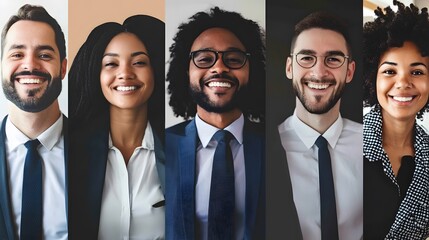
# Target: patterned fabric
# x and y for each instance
(412, 218)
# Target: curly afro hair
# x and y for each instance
(247, 31)
(392, 29)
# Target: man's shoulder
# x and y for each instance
(178, 129)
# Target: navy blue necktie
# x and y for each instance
(32, 206)
(222, 190)
(328, 210)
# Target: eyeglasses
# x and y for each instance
(233, 59)
(332, 61)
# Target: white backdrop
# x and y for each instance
(58, 9)
(179, 11)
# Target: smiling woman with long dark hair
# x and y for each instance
(117, 161)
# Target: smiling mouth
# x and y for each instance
(219, 84)
(318, 86)
(403, 99)
(30, 80)
(126, 88)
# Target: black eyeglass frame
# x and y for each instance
(216, 53)
(346, 59)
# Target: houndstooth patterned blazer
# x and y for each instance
(412, 218)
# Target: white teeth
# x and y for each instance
(29, 81)
(126, 88)
(403, 99)
(219, 84)
(317, 85)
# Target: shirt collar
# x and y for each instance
(309, 136)
(48, 138)
(147, 141)
(206, 131)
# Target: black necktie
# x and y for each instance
(32, 206)
(328, 211)
(222, 193)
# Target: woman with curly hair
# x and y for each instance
(116, 154)
(396, 148)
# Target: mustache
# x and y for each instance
(220, 75)
(33, 73)
(317, 80)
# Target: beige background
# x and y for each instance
(84, 15)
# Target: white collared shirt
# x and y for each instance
(205, 154)
(345, 147)
(129, 193)
(51, 151)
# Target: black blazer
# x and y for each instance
(7, 224)
(88, 153)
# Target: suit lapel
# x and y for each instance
(6, 216)
(253, 156)
(160, 160)
(97, 149)
(66, 162)
(187, 151)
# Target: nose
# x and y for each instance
(219, 66)
(125, 72)
(30, 63)
(319, 70)
(403, 81)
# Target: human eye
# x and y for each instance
(306, 58)
(417, 72)
(335, 59)
(110, 64)
(45, 56)
(204, 57)
(235, 57)
(388, 71)
(16, 55)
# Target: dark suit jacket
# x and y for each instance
(7, 224)
(181, 144)
(88, 153)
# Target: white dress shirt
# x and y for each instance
(205, 155)
(129, 193)
(51, 151)
(345, 146)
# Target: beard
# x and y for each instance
(322, 107)
(32, 103)
(202, 99)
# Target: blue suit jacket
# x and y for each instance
(181, 144)
(88, 153)
(7, 223)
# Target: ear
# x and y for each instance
(63, 68)
(350, 71)
(288, 70)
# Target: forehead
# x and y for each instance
(217, 39)
(321, 41)
(30, 34)
(408, 53)
(125, 42)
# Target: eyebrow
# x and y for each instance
(228, 49)
(38, 47)
(328, 53)
(132, 54)
(412, 64)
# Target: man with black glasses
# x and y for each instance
(323, 150)
(215, 163)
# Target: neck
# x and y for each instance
(397, 133)
(219, 120)
(127, 126)
(33, 124)
(319, 122)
